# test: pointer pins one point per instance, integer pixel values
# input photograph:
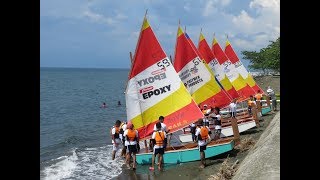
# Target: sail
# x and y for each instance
(240, 67)
(216, 67)
(243, 89)
(154, 89)
(197, 78)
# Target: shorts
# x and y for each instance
(118, 146)
(202, 148)
(132, 148)
(158, 151)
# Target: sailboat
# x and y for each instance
(232, 56)
(154, 89)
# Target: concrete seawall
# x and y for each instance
(263, 160)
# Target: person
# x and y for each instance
(205, 109)
(158, 140)
(258, 97)
(132, 138)
(104, 105)
(163, 128)
(273, 98)
(193, 131)
(203, 137)
(217, 122)
(163, 125)
(250, 102)
(119, 103)
(115, 136)
(123, 126)
(233, 108)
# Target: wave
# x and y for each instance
(86, 163)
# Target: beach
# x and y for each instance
(191, 170)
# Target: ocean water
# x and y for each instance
(74, 129)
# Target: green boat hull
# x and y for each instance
(265, 110)
(186, 155)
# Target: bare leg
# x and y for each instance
(160, 162)
(134, 161)
(152, 161)
(203, 160)
(113, 154)
(128, 160)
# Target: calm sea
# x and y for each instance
(74, 130)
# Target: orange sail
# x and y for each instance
(154, 89)
(196, 76)
(243, 89)
(240, 67)
(216, 67)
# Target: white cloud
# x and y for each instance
(187, 7)
(243, 21)
(208, 9)
(95, 17)
(225, 2)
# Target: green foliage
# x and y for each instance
(266, 59)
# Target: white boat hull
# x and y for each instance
(225, 131)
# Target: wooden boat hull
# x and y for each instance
(183, 154)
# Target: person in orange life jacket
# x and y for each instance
(158, 139)
(217, 122)
(250, 102)
(123, 126)
(163, 128)
(233, 108)
(116, 137)
(132, 138)
(203, 137)
(258, 97)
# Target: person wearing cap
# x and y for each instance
(132, 138)
(273, 98)
(233, 108)
(202, 134)
(123, 126)
(217, 122)
(158, 140)
(115, 136)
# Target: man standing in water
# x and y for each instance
(158, 140)
(202, 134)
(115, 136)
(132, 138)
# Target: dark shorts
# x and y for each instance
(132, 148)
(202, 148)
(158, 151)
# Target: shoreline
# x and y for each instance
(191, 170)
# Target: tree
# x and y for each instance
(266, 59)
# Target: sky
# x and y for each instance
(101, 33)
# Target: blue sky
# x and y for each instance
(101, 33)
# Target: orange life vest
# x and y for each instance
(159, 138)
(204, 133)
(204, 111)
(250, 103)
(131, 136)
(258, 96)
